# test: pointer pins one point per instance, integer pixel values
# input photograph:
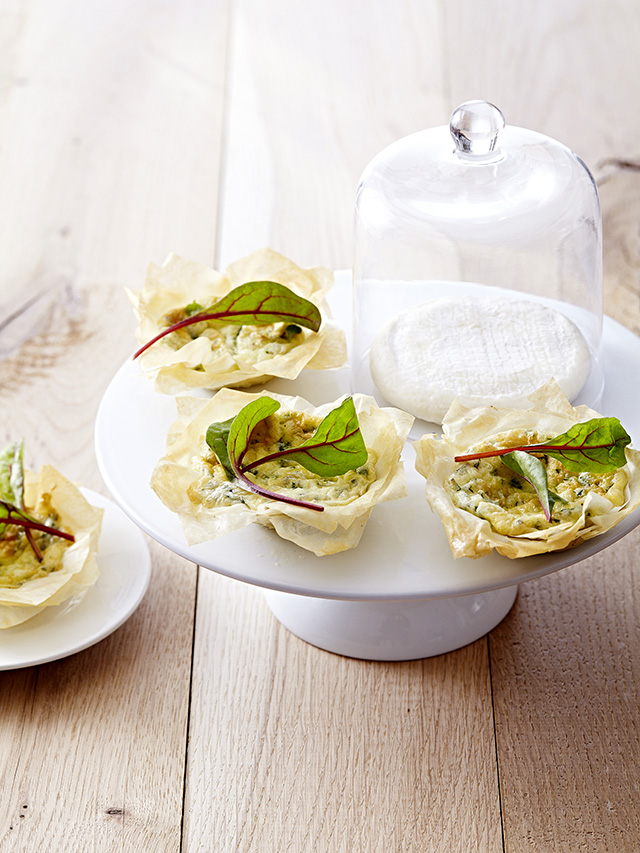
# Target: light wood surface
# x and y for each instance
(132, 129)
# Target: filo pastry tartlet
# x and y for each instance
(485, 505)
(191, 481)
(211, 356)
(66, 568)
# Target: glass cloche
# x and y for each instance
(478, 268)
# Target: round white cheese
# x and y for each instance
(479, 350)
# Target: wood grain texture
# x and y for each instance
(566, 677)
(51, 385)
(294, 749)
(110, 126)
(118, 122)
(565, 663)
(110, 123)
(325, 753)
(93, 745)
(100, 732)
(562, 68)
(619, 188)
(315, 92)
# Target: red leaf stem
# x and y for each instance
(265, 493)
(527, 448)
(189, 321)
(299, 449)
(219, 315)
(34, 545)
(34, 525)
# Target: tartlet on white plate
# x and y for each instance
(189, 481)
(212, 356)
(67, 569)
(484, 506)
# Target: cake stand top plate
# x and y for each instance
(403, 554)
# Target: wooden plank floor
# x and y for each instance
(129, 130)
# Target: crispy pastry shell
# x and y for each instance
(196, 365)
(337, 528)
(470, 536)
(78, 570)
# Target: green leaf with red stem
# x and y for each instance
(12, 485)
(217, 437)
(23, 520)
(336, 446)
(255, 303)
(596, 446)
(238, 433)
(243, 425)
(12, 499)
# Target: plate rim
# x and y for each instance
(515, 571)
(113, 517)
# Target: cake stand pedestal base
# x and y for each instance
(392, 630)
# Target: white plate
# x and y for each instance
(55, 632)
(403, 554)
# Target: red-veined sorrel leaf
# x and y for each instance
(12, 487)
(17, 518)
(336, 446)
(243, 425)
(217, 437)
(596, 446)
(229, 440)
(255, 303)
(22, 519)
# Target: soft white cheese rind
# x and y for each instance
(478, 350)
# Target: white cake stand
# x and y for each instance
(399, 595)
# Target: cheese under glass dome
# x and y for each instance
(478, 268)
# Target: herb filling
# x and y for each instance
(249, 344)
(490, 490)
(275, 433)
(18, 562)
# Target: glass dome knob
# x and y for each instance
(475, 127)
